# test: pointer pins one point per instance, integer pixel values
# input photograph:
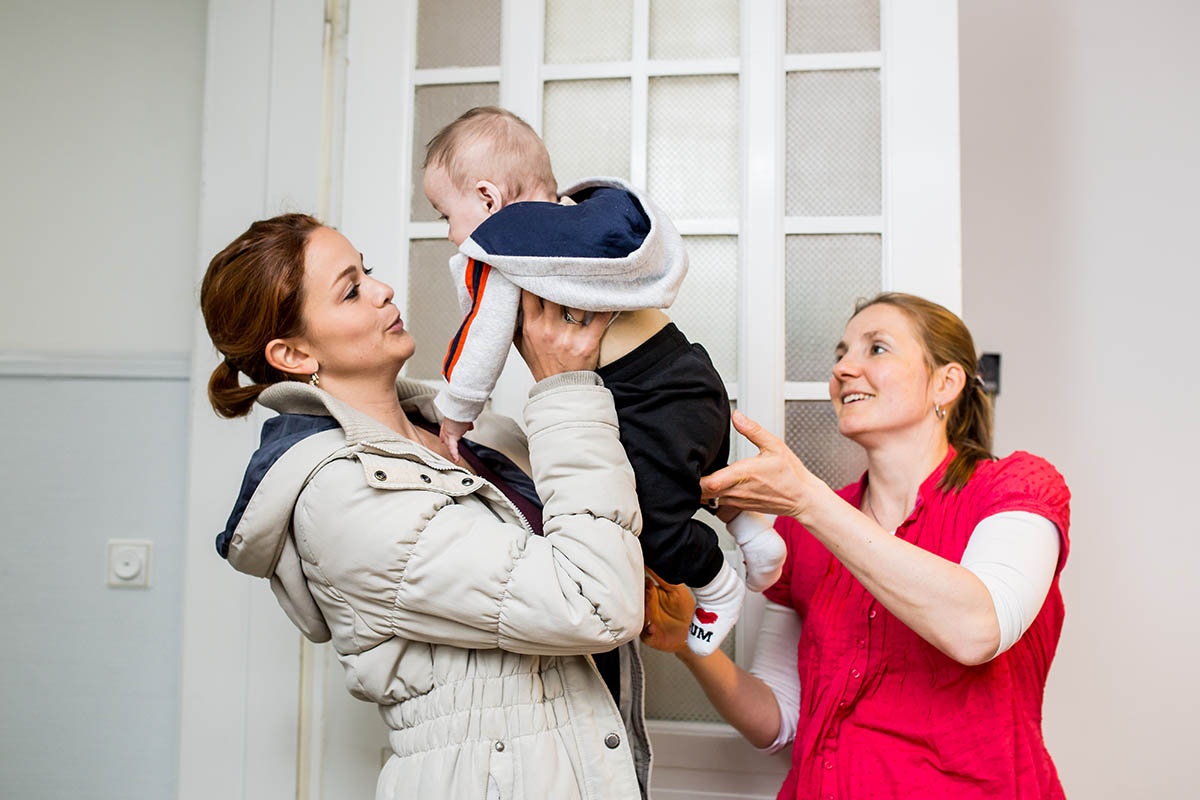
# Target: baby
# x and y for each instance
(604, 247)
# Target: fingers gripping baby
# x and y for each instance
(608, 248)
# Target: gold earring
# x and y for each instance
(314, 379)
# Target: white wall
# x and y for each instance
(100, 158)
(1081, 162)
(99, 153)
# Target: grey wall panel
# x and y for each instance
(89, 676)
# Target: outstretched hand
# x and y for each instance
(669, 610)
(774, 482)
(550, 344)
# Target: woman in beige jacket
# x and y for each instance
(460, 598)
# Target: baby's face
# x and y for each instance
(463, 210)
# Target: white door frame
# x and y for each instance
(261, 155)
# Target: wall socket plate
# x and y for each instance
(129, 563)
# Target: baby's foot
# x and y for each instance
(718, 606)
(763, 550)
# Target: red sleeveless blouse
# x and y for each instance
(884, 714)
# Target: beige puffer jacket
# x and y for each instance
(444, 607)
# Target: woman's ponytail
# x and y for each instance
(252, 294)
(969, 429)
(948, 341)
(228, 396)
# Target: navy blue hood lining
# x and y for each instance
(605, 223)
(279, 434)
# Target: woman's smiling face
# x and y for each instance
(351, 326)
(881, 380)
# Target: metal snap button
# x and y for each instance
(612, 741)
(499, 747)
(427, 479)
(468, 481)
(380, 475)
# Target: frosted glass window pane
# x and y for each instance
(458, 33)
(671, 691)
(692, 153)
(706, 309)
(586, 127)
(833, 143)
(588, 30)
(694, 28)
(832, 26)
(810, 429)
(434, 108)
(825, 276)
(432, 314)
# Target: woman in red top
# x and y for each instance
(905, 648)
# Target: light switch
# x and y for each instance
(129, 563)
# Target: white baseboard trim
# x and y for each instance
(693, 794)
(711, 761)
(110, 366)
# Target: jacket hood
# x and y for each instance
(612, 241)
(313, 428)
(279, 435)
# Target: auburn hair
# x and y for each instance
(252, 293)
(946, 340)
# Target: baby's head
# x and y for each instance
(481, 162)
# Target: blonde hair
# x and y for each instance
(946, 340)
(490, 143)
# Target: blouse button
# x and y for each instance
(870, 614)
(380, 475)
(861, 643)
(612, 741)
(499, 747)
(427, 479)
(467, 481)
(828, 765)
(855, 674)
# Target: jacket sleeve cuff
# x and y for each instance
(562, 379)
(458, 408)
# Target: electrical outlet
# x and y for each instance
(129, 563)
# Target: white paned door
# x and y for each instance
(806, 149)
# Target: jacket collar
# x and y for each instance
(498, 433)
(293, 397)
